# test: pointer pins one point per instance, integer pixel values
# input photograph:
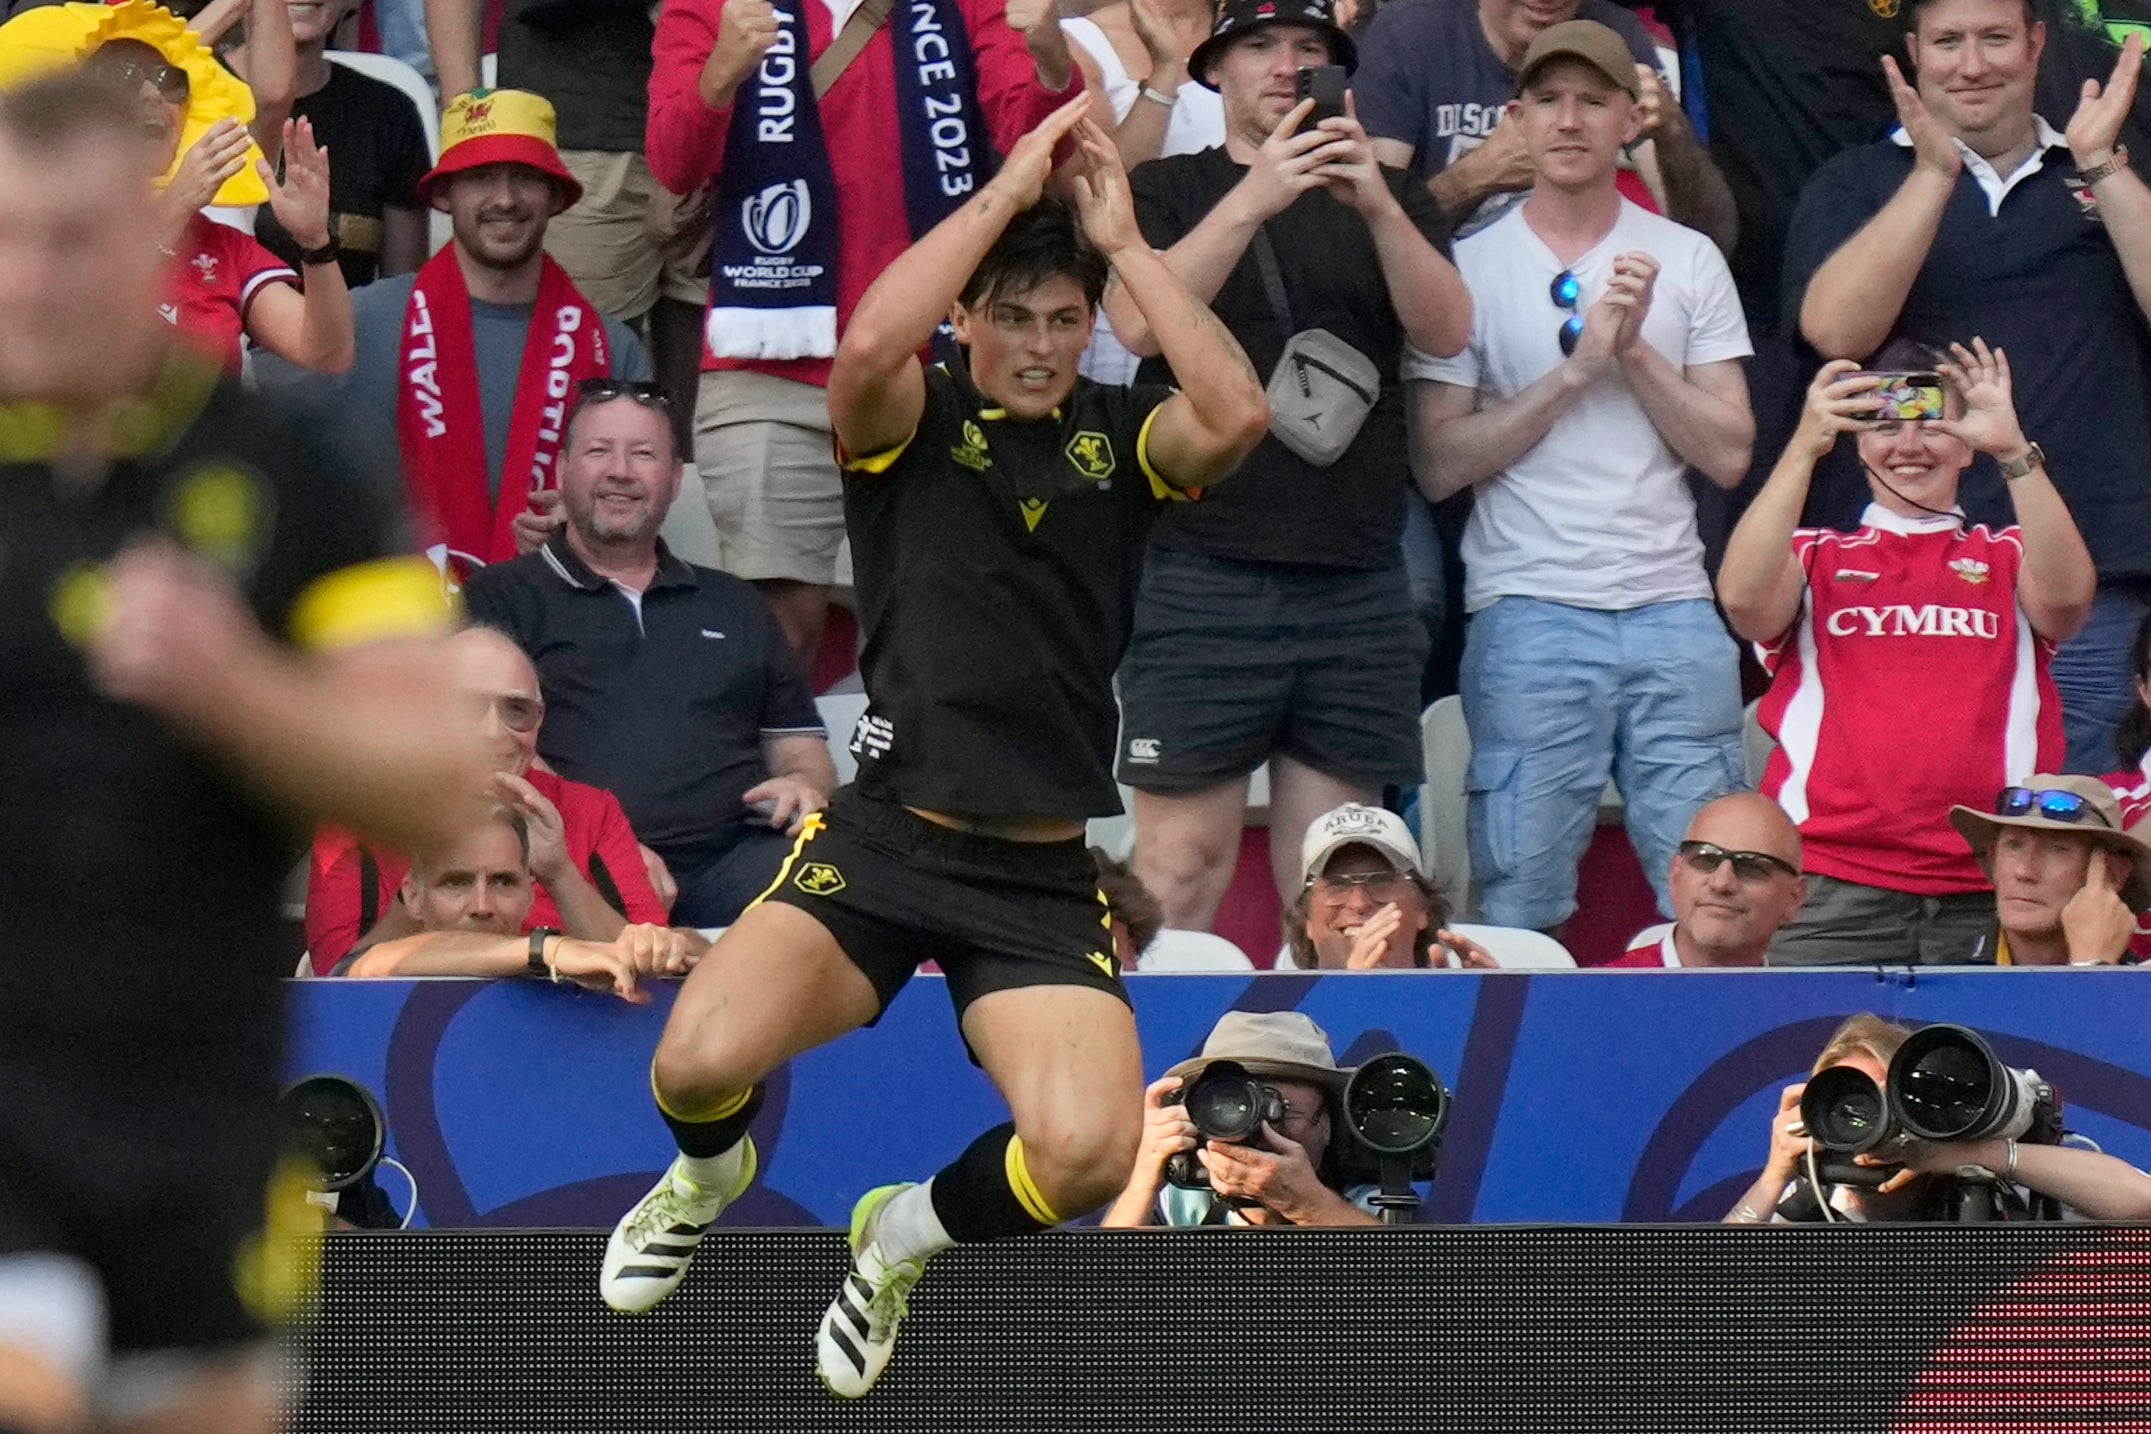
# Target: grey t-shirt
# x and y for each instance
(1428, 77)
(365, 397)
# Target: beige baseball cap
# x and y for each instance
(1356, 825)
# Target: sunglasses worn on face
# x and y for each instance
(1749, 866)
(1567, 293)
(170, 81)
(604, 390)
(2054, 805)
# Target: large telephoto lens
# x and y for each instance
(1844, 1110)
(1396, 1105)
(1225, 1103)
(1947, 1084)
(334, 1123)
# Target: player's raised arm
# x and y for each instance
(1201, 433)
(876, 388)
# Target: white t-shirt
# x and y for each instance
(1598, 513)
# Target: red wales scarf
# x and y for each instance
(440, 426)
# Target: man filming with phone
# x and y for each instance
(1273, 621)
(1910, 659)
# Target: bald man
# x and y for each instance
(590, 877)
(1735, 880)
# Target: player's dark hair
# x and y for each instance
(1042, 243)
(1908, 15)
(52, 114)
(2132, 734)
(1129, 901)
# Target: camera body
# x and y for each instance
(1945, 1084)
(1227, 1104)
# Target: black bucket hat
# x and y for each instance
(1239, 16)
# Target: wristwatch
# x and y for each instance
(2015, 468)
(2112, 165)
(536, 966)
(326, 254)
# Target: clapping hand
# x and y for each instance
(1029, 164)
(1933, 146)
(1100, 188)
(300, 200)
(2095, 128)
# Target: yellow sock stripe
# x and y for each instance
(807, 829)
(730, 1105)
(1027, 1191)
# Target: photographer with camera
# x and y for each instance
(1286, 1172)
(1895, 1125)
(1916, 622)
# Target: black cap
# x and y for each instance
(1239, 16)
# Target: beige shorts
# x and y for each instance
(602, 244)
(767, 456)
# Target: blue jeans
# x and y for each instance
(1558, 698)
(402, 24)
(2093, 673)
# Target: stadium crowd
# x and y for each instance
(1532, 337)
(1479, 347)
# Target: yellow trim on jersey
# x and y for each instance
(807, 830)
(1028, 1194)
(388, 597)
(875, 462)
(1160, 485)
(724, 1109)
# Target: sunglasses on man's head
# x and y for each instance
(1751, 866)
(1567, 293)
(604, 390)
(2049, 803)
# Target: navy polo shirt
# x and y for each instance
(2038, 277)
(664, 698)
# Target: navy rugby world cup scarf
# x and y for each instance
(773, 271)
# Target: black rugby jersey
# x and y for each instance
(996, 562)
(140, 938)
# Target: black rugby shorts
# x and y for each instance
(896, 890)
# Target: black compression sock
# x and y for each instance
(714, 1131)
(987, 1193)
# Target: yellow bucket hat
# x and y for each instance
(52, 37)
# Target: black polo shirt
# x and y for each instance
(996, 563)
(141, 946)
(661, 698)
(2038, 278)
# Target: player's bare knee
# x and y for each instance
(1081, 1159)
(689, 1076)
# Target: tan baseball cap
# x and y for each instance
(1594, 44)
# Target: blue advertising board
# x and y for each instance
(1579, 1096)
